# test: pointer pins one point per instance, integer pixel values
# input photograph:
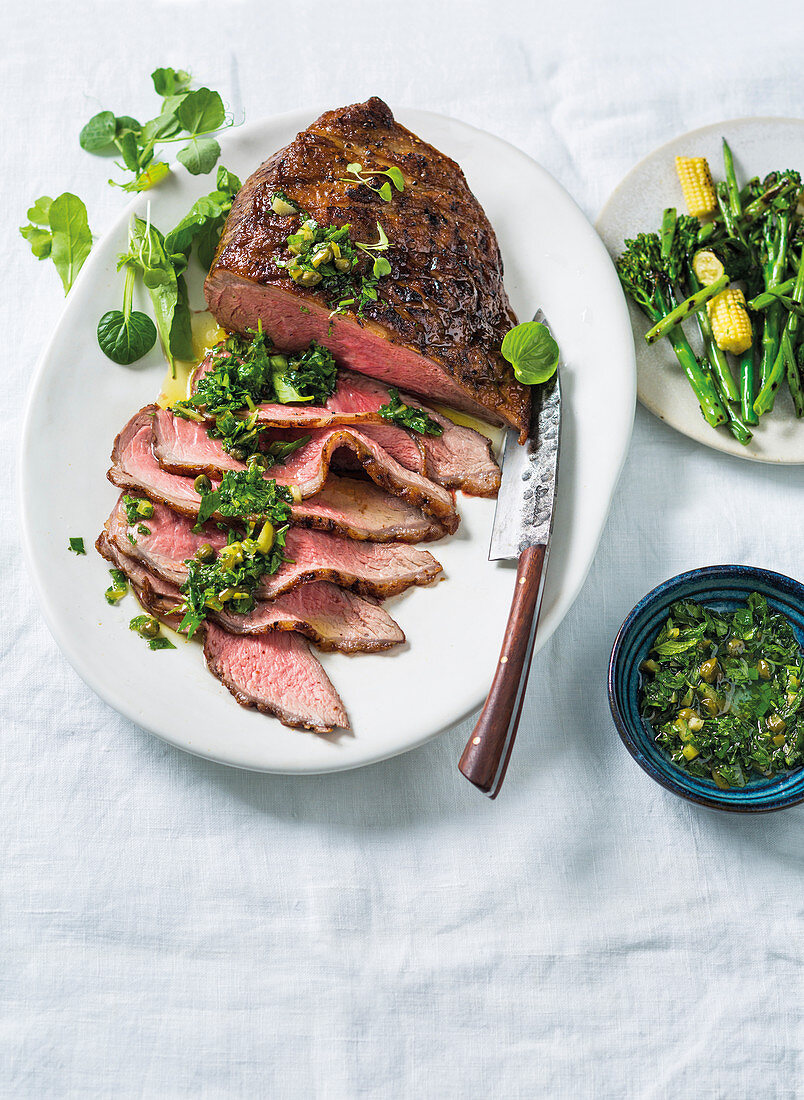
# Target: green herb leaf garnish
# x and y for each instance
(531, 351)
(247, 493)
(244, 373)
(170, 82)
(137, 508)
(125, 336)
(409, 416)
(99, 132)
(77, 546)
(200, 156)
(231, 578)
(153, 174)
(118, 588)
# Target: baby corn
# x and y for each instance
(731, 325)
(696, 183)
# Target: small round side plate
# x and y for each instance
(759, 145)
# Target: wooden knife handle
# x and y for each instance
(488, 750)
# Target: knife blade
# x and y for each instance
(523, 524)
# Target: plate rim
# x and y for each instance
(654, 408)
(299, 117)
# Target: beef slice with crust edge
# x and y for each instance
(277, 674)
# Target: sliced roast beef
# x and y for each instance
(460, 458)
(437, 325)
(277, 674)
(356, 400)
(355, 509)
(331, 617)
(361, 510)
(183, 447)
(372, 569)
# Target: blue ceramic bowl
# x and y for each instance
(723, 588)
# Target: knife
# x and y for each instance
(523, 523)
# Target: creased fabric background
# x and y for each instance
(174, 928)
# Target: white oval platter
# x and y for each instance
(79, 400)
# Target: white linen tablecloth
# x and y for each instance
(175, 928)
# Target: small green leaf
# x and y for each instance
(169, 81)
(165, 124)
(39, 213)
(129, 150)
(126, 124)
(412, 417)
(147, 254)
(40, 240)
(206, 243)
(385, 192)
(201, 111)
(77, 546)
(181, 332)
(286, 392)
(202, 211)
(396, 178)
(200, 156)
(532, 352)
(99, 132)
(153, 277)
(381, 267)
(152, 175)
(227, 181)
(125, 340)
(72, 239)
(160, 643)
(354, 168)
(209, 505)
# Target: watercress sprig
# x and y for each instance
(125, 336)
(58, 229)
(366, 177)
(148, 257)
(187, 115)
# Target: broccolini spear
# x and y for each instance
(644, 274)
(686, 234)
(756, 200)
(679, 237)
(785, 362)
(733, 200)
(732, 187)
(795, 380)
(770, 239)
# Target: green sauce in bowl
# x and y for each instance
(724, 692)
